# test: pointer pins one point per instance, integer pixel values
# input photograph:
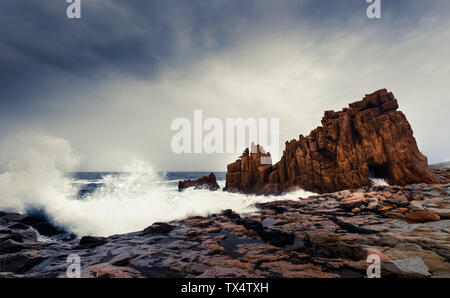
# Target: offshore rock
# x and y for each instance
(206, 182)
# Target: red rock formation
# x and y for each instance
(369, 138)
(248, 175)
(206, 182)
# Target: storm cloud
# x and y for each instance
(112, 81)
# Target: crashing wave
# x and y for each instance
(379, 182)
(35, 179)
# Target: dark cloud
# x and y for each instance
(136, 37)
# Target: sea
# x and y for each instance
(108, 203)
(40, 178)
(88, 182)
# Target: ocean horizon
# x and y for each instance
(89, 181)
(108, 203)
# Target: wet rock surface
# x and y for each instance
(321, 236)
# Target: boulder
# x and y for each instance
(91, 242)
(373, 205)
(400, 201)
(158, 228)
(422, 216)
(368, 139)
(37, 220)
(416, 205)
(230, 214)
(350, 203)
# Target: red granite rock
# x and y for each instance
(369, 138)
(422, 216)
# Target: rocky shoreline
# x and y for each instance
(324, 236)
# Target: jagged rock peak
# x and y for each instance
(368, 139)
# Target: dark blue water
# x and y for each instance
(93, 180)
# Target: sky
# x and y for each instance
(113, 81)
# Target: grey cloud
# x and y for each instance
(135, 37)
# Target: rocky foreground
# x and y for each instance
(326, 236)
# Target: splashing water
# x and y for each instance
(34, 179)
(378, 182)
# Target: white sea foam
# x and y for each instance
(34, 179)
(379, 182)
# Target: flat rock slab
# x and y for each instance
(407, 268)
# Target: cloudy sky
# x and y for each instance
(113, 81)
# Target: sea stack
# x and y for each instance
(368, 139)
